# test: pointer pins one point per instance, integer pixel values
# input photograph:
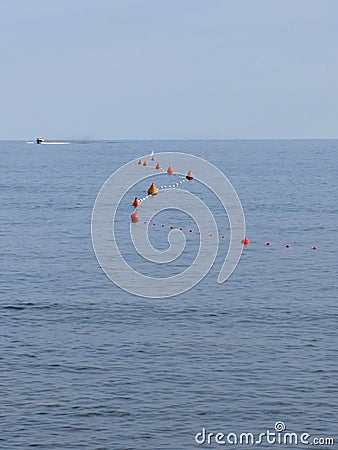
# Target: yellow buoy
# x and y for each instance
(152, 190)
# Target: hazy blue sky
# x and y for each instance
(116, 69)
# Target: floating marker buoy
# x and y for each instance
(287, 246)
(171, 227)
(134, 217)
(189, 176)
(162, 225)
(314, 248)
(140, 161)
(190, 231)
(153, 158)
(170, 170)
(158, 166)
(152, 190)
(136, 202)
(222, 237)
(246, 241)
(145, 163)
(267, 243)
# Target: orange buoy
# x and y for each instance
(145, 163)
(140, 161)
(246, 241)
(170, 170)
(158, 166)
(134, 217)
(136, 202)
(152, 190)
(189, 176)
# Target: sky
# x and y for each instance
(169, 69)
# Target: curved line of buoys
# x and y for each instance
(191, 231)
(153, 190)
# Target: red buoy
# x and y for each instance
(145, 163)
(136, 202)
(140, 161)
(314, 248)
(170, 170)
(246, 241)
(287, 245)
(158, 166)
(134, 217)
(267, 243)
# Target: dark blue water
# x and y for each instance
(86, 365)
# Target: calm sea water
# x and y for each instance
(86, 365)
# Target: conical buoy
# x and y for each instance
(134, 217)
(136, 202)
(246, 241)
(158, 166)
(152, 157)
(189, 176)
(170, 170)
(152, 190)
(140, 161)
(145, 163)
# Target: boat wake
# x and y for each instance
(54, 143)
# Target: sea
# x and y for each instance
(87, 365)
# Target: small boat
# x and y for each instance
(40, 140)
